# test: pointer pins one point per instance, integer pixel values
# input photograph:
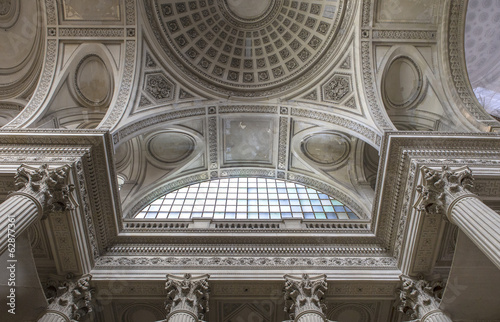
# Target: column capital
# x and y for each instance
(304, 294)
(440, 190)
(70, 297)
(49, 189)
(187, 294)
(418, 297)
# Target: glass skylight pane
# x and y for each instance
(246, 198)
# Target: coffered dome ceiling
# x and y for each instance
(248, 48)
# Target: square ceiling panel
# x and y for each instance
(248, 141)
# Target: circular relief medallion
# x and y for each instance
(326, 148)
(248, 48)
(171, 147)
(92, 80)
(5, 7)
(402, 82)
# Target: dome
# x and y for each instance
(248, 48)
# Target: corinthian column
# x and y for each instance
(448, 193)
(419, 300)
(304, 300)
(39, 191)
(187, 299)
(69, 300)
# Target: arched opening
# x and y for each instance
(246, 198)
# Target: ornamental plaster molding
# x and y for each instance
(405, 35)
(67, 32)
(199, 250)
(118, 106)
(191, 262)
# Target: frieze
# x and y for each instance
(92, 32)
(247, 262)
(248, 109)
(405, 34)
(213, 142)
(368, 79)
(247, 173)
(283, 143)
(200, 250)
(130, 12)
(50, 9)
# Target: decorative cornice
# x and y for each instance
(257, 262)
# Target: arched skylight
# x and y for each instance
(246, 198)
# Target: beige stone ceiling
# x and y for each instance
(247, 52)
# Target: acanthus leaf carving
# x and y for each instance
(187, 294)
(417, 297)
(441, 188)
(49, 187)
(304, 294)
(70, 297)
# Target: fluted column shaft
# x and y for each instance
(16, 214)
(436, 316)
(448, 192)
(39, 191)
(54, 317)
(480, 223)
(182, 317)
(310, 317)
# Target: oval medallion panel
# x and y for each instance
(93, 81)
(326, 148)
(402, 82)
(171, 147)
